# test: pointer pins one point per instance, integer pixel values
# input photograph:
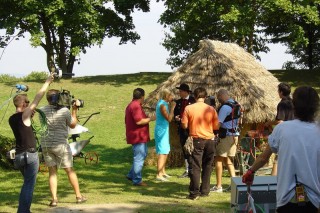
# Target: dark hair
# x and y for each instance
(52, 95)
(306, 103)
(138, 93)
(284, 88)
(200, 92)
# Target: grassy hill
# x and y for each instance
(104, 182)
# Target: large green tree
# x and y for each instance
(189, 21)
(295, 24)
(66, 28)
(252, 24)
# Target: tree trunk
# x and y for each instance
(48, 46)
(310, 47)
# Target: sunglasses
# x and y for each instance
(27, 101)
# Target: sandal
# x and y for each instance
(53, 203)
(81, 199)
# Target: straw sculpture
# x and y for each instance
(218, 65)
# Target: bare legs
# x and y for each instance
(219, 161)
(161, 166)
(73, 179)
(53, 181)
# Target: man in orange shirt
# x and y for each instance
(201, 120)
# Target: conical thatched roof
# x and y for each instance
(219, 65)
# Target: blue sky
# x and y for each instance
(147, 54)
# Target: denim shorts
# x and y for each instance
(60, 156)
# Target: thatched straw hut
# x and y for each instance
(219, 65)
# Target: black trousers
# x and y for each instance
(201, 165)
(294, 208)
(183, 135)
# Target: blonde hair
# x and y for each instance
(164, 94)
(19, 99)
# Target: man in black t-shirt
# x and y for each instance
(26, 159)
(285, 112)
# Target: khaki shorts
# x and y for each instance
(59, 156)
(227, 147)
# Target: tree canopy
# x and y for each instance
(252, 24)
(67, 28)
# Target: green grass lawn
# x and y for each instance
(105, 182)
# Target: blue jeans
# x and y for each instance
(140, 151)
(29, 172)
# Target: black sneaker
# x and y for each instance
(184, 175)
(193, 197)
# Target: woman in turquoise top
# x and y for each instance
(164, 114)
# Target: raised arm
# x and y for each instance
(28, 112)
(74, 120)
(168, 115)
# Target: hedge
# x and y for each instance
(6, 144)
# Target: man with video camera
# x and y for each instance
(55, 146)
(26, 156)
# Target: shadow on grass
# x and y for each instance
(142, 78)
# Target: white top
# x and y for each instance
(298, 146)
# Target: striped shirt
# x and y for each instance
(58, 121)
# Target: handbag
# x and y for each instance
(188, 146)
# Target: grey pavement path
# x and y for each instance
(97, 208)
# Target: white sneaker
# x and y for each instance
(216, 189)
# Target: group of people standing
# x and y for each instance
(214, 133)
(195, 118)
(295, 138)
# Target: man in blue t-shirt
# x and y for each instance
(228, 134)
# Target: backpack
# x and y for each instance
(235, 113)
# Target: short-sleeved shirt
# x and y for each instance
(224, 111)
(285, 109)
(136, 133)
(298, 146)
(58, 120)
(201, 120)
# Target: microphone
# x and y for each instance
(22, 87)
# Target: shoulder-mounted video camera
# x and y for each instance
(65, 99)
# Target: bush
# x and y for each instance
(36, 76)
(6, 78)
(5, 145)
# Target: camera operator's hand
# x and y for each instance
(75, 105)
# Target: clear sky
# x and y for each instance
(147, 54)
